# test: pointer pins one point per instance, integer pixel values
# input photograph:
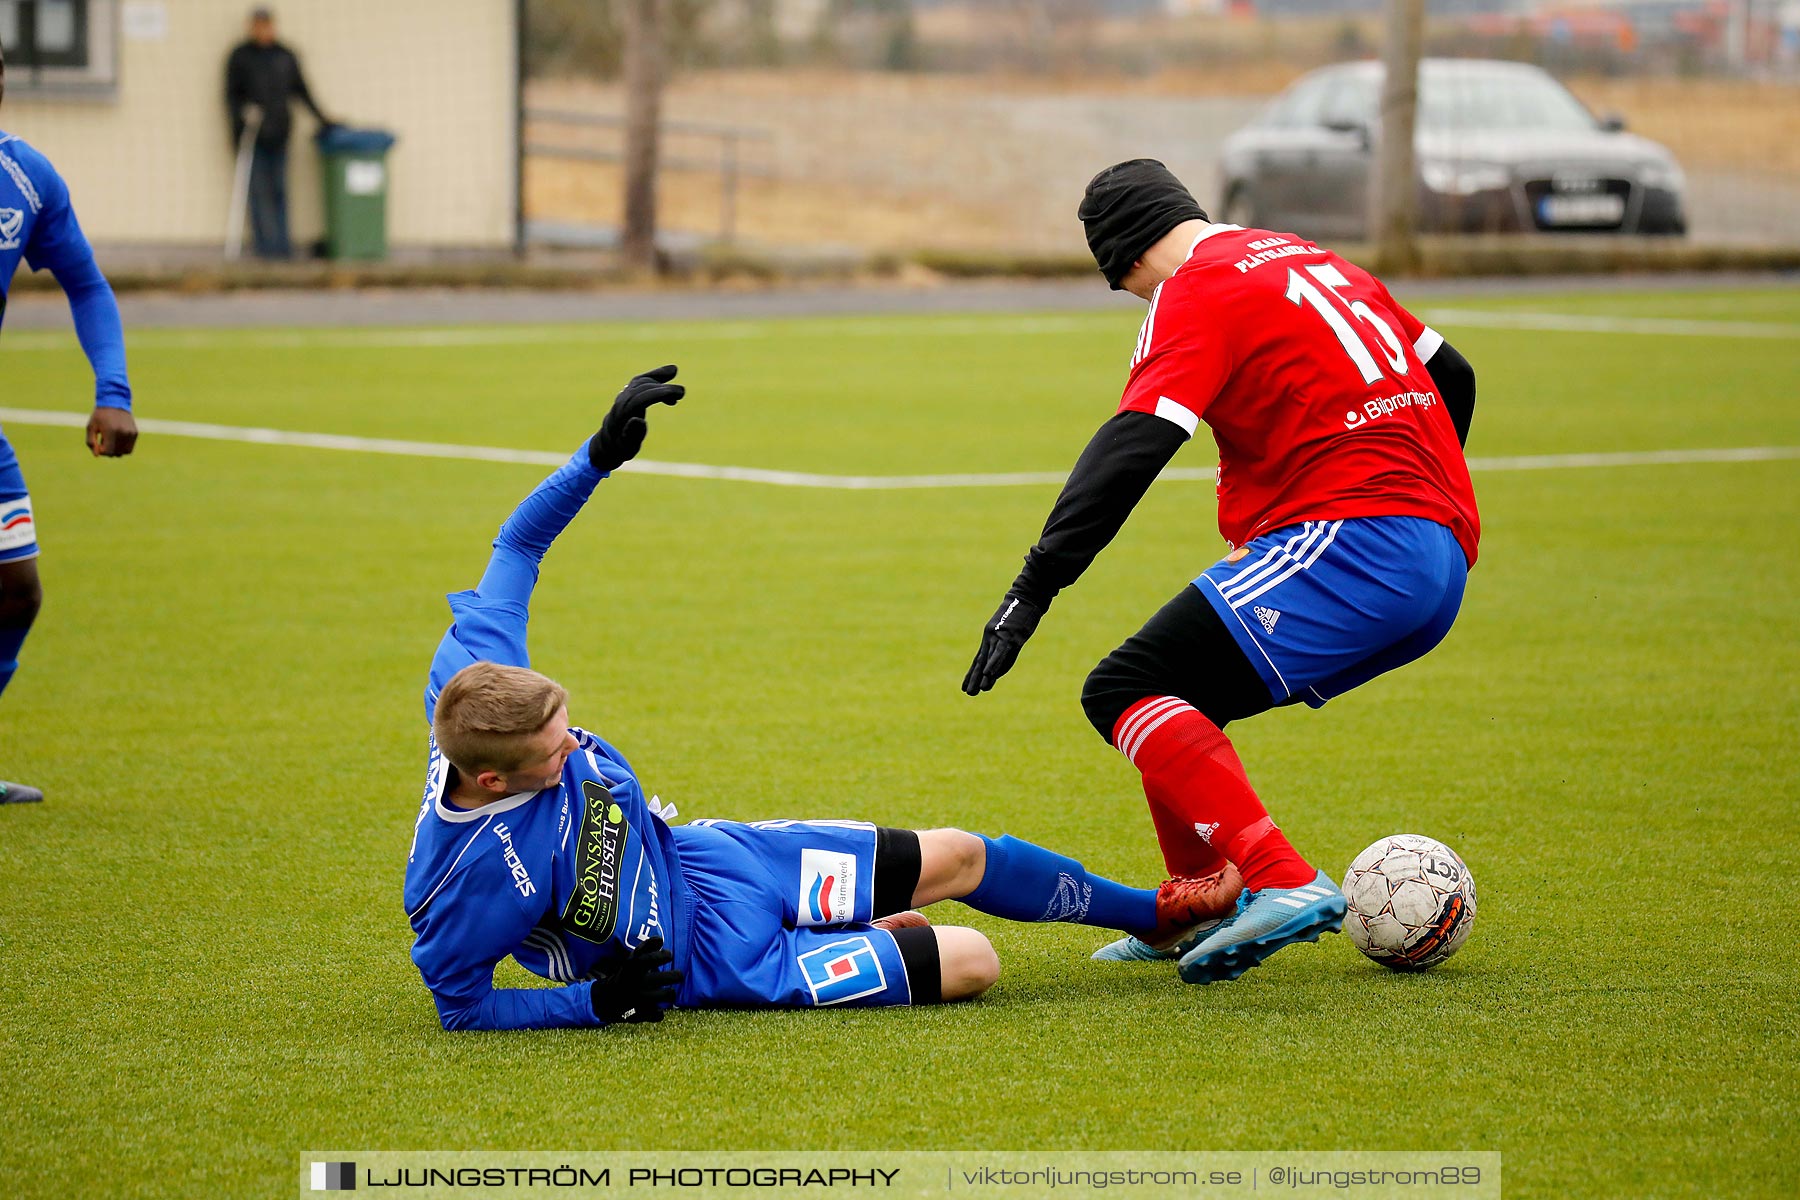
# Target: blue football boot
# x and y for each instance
(1133, 949)
(1270, 919)
(18, 793)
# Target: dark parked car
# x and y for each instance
(1501, 147)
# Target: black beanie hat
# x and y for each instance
(1127, 208)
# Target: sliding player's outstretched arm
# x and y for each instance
(478, 903)
(490, 621)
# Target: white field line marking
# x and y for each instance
(1634, 458)
(547, 458)
(1544, 322)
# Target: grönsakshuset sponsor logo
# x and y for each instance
(592, 910)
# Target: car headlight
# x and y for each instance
(1455, 177)
(1660, 174)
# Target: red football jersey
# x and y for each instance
(1313, 381)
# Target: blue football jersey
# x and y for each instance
(37, 224)
(36, 220)
(567, 880)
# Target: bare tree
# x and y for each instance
(1394, 202)
(644, 23)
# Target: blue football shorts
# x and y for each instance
(1325, 606)
(781, 916)
(18, 529)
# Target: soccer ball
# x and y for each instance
(1411, 902)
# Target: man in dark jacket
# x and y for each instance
(262, 78)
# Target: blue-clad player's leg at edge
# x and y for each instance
(37, 223)
(535, 840)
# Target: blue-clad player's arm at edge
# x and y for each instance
(99, 329)
(58, 245)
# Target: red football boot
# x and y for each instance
(1187, 907)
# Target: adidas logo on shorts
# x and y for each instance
(1267, 616)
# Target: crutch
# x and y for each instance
(240, 183)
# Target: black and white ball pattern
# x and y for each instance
(1411, 902)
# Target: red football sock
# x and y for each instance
(1191, 771)
(1183, 851)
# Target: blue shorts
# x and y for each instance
(18, 530)
(781, 916)
(1325, 606)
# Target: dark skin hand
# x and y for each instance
(111, 433)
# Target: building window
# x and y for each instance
(59, 46)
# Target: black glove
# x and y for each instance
(640, 987)
(621, 435)
(1015, 620)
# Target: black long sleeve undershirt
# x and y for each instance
(1120, 463)
(1455, 380)
(1124, 458)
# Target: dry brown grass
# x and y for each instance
(1252, 78)
(1742, 129)
(1736, 124)
(1733, 125)
(769, 212)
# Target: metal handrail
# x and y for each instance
(566, 116)
(674, 163)
(730, 165)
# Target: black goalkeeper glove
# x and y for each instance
(1015, 621)
(640, 987)
(621, 435)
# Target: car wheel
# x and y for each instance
(1241, 207)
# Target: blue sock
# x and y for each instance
(1024, 882)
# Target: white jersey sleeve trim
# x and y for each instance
(1429, 342)
(1170, 410)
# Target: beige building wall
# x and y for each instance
(151, 163)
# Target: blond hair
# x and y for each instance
(487, 711)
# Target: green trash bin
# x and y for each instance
(354, 163)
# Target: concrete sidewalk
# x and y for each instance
(387, 308)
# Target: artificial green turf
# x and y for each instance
(203, 958)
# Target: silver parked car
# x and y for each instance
(1501, 146)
